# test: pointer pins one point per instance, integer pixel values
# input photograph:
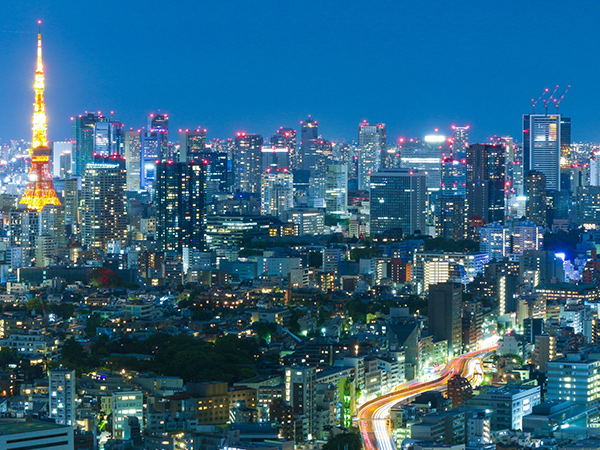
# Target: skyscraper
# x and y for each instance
(180, 211)
(542, 140)
(451, 217)
(246, 162)
(62, 395)
(108, 137)
(216, 174)
(193, 143)
(83, 136)
(104, 213)
(277, 192)
(445, 315)
(453, 176)
(535, 189)
(286, 137)
(274, 158)
(300, 394)
(133, 151)
(154, 147)
(336, 189)
(371, 147)
(39, 192)
(398, 201)
(308, 145)
(59, 149)
(460, 140)
(485, 178)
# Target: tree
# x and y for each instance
(91, 323)
(8, 356)
(352, 440)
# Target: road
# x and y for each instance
(373, 415)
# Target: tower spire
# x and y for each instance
(40, 190)
(40, 129)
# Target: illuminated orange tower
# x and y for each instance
(40, 190)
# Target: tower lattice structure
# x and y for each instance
(40, 190)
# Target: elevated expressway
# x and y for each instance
(372, 416)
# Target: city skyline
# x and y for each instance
(326, 62)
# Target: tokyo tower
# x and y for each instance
(40, 190)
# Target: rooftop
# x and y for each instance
(17, 426)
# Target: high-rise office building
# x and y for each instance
(95, 135)
(286, 137)
(246, 162)
(108, 137)
(595, 169)
(535, 189)
(485, 178)
(445, 315)
(154, 147)
(104, 212)
(372, 141)
(65, 164)
(336, 189)
(24, 227)
(300, 394)
(193, 144)
(62, 393)
(58, 150)
(83, 137)
(216, 174)
(274, 158)
(542, 142)
(494, 239)
(398, 203)
(451, 217)
(133, 153)
(453, 176)
(71, 196)
(180, 205)
(527, 236)
(307, 157)
(460, 140)
(276, 192)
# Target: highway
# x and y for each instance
(372, 416)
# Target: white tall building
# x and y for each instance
(62, 393)
(276, 192)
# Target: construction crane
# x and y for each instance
(547, 100)
(535, 102)
(557, 102)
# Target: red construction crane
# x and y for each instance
(557, 102)
(535, 102)
(547, 100)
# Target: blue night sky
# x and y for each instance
(257, 65)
